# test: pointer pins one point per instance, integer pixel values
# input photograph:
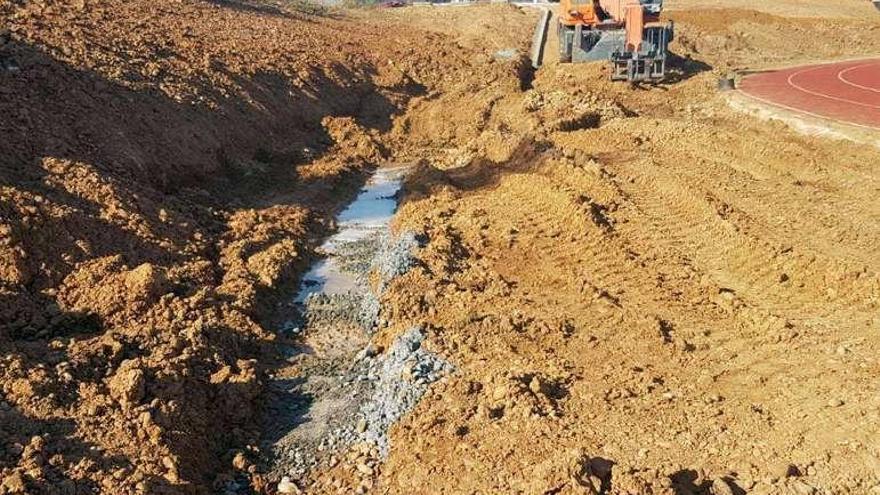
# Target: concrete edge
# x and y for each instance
(802, 122)
(539, 39)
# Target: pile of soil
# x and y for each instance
(166, 170)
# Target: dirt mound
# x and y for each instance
(166, 170)
(737, 38)
(841, 9)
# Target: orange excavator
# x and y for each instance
(629, 33)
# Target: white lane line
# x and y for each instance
(823, 95)
(850, 83)
(806, 112)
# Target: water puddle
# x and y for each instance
(367, 217)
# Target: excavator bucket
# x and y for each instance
(644, 60)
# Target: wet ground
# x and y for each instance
(341, 390)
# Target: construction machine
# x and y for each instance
(629, 33)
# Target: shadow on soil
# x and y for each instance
(678, 69)
(291, 412)
(479, 173)
(683, 68)
(687, 482)
(684, 482)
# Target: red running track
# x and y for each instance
(844, 91)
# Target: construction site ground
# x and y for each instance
(620, 289)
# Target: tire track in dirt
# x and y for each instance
(612, 294)
(744, 250)
(753, 266)
(569, 239)
(840, 202)
(648, 311)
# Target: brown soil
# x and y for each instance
(166, 170)
(641, 290)
(838, 9)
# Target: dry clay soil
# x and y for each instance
(641, 290)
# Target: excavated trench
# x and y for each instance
(339, 389)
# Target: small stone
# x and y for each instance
(727, 294)
(499, 393)
(535, 385)
(14, 483)
(784, 470)
(362, 426)
(371, 351)
(800, 488)
(363, 468)
(146, 419)
(287, 487)
(835, 403)
(127, 384)
(721, 487)
(240, 462)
